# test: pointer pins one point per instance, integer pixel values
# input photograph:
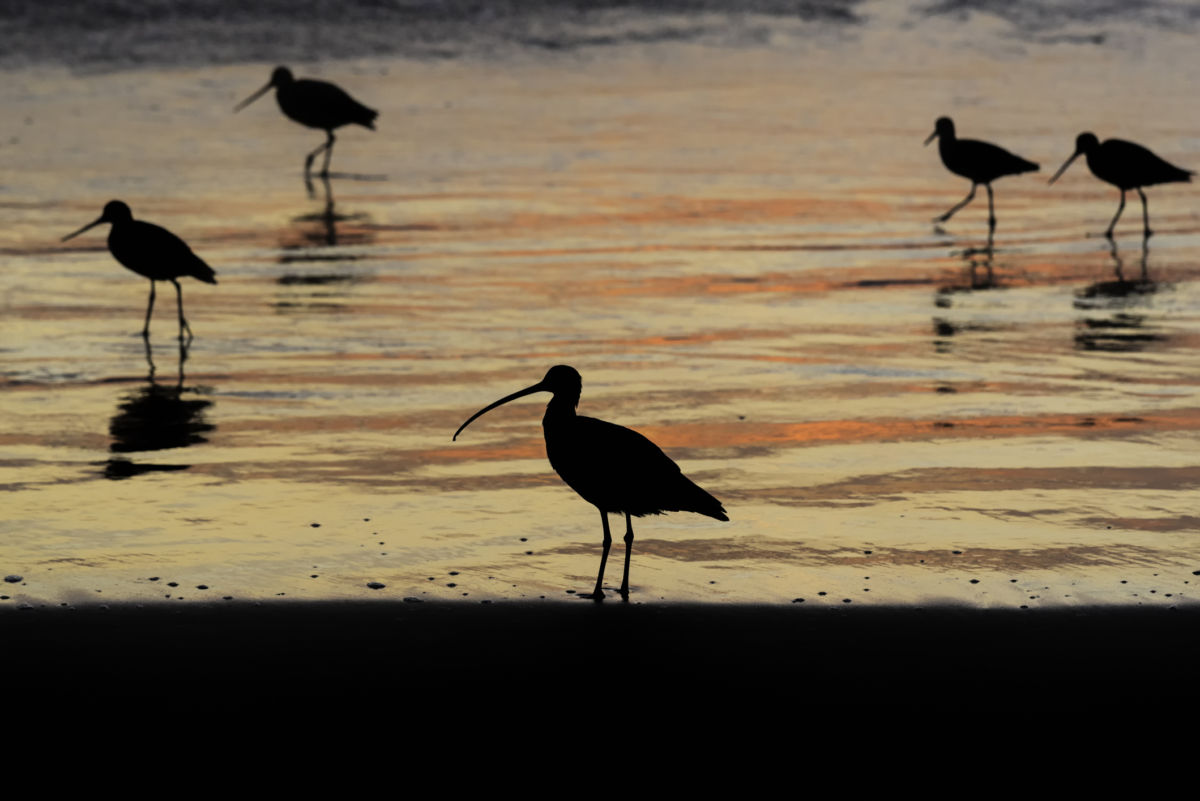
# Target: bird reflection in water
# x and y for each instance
(319, 239)
(1111, 324)
(978, 274)
(156, 417)
(325, 233)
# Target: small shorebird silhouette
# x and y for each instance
(981, 162)
(316, 104)
(612, 467)
(1126, 166)
(152, 252)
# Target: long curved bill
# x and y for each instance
(522, 393)
(252, 98)
(81, 230)
(1066, 164)
(931, 137)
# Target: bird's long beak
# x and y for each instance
(931, 137)
(84, 228)
(252, 97)
(538, 387)
(1066, 164)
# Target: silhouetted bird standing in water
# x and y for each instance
(981, 162)
(316, 104)
(610, 466)
(1126, 166)
(152, 252)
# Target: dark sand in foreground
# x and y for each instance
(333, 658)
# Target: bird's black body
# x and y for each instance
(315, 104)
(979, 162)
(152, 252)
(611, 467)
(616, 469)
(1125, 165)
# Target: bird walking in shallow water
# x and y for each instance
(1126, 166)
(612, 467)
(152, 252)
(981, 162)
(316, 104)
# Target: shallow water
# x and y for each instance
(729, 240)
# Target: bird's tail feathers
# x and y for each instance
(700, 502)
(202, 272)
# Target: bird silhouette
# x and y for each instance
(981, 162)
(611, 467)
(1126, 166)
(152, 252)
(316, 104)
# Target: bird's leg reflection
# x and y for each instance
(183, 355)
(149, 359)
(1118, 262)
(598, 593)
(328, 218)
(1117, 216)
(628, 551)
(970, 196)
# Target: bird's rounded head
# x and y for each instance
(116, 211)
(282, 76)
(944, 127)
(1085, 142)
(563, 379)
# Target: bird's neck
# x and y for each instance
(560, 409)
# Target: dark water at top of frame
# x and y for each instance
(104, 35)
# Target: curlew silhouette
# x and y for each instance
(152, 252)
(612, 467)
(316, 104)
(1126, 166)
(981, 162)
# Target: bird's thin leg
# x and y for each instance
(328, 155)
(308, 160)
(628, 552)
(1117, 216)
(149, 308)
(970, 196)
(991, 214)
(1146, 232)
(598, 594)
(183, 324)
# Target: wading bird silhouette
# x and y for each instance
(316, 104)
(152, 252)
(612, 467)
(981, 162)
(1126, 166)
